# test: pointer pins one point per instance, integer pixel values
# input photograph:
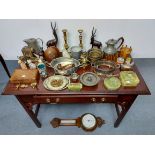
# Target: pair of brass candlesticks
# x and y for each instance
(66, 46)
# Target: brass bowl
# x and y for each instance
(65, 61)
(110, 67)
(95, 54)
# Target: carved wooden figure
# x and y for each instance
(93, 41)
(54, 41)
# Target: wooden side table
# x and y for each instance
(122, 98)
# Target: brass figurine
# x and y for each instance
(21, 86)
(22, 64)
(65, 39)
(33, 85)
(84, 59)
(80, 37)
(27, 52)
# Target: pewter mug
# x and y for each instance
(76, 52)
(111, 45)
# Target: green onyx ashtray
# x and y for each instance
(112, 83)
(75, 86)
(129, 79)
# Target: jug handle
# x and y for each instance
(122, 41)
(41, 41)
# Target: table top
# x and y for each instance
(99, 89)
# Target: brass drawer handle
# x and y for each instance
(48, 100)
(123, 103)
(102, 99)
(93, 99)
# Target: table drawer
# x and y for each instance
(75, 99)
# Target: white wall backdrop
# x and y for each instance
(140, 34)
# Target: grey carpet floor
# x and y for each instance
(139, 120)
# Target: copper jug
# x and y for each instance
(51, 53)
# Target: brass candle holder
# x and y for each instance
(65, 38)
(80, 37)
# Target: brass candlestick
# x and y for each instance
(65, 39)
(80, 37)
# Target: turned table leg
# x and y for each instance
(28, 109)
(125, 102)
(4, 65)
(37, 110)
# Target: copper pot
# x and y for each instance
(51, 53)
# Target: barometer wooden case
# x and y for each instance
(88, 122)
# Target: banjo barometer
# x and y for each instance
(88, 122)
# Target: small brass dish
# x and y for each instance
(89, 79)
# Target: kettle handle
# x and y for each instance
(41, 41)
(122, 41)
